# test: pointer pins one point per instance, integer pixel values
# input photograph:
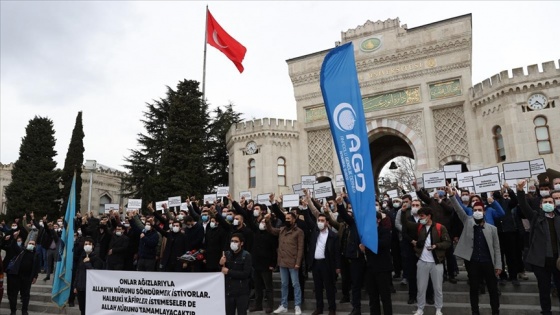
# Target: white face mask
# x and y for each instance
(477, 215)
(321, 225)
(414, 210)
(180, 217)
(19, 244)
(262, 226)
(59, 223)
(545, 193)
(212, 224)
(118, 233)
(30, 247)
(256, 213)
(126, 225)
(14, 227)
(148, 227)
(236, 222)
(234, 246)
(88, 248)
(557, 203)
(557, 187)
(170, 225)
(175, 229)
(41, 224)
(396, 205)
(465, 198)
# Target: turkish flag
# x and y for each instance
(221, 40)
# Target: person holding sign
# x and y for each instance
(544, 245)
(479, 246)
(88, 260)
(236, 266)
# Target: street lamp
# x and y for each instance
(91, 166)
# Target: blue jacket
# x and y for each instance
(493, 211)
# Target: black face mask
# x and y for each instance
(288, 224)
(478, 221)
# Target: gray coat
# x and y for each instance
(464, 247)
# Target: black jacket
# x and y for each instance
(352, 249)
(175, 246)
(194, 237)
(119, 248)
(332, 250)
(239, 273)
(382, 261)
(216, 241)
(81, 270)
(26, 265)
(264, 250)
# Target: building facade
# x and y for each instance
(419, 102)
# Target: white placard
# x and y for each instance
(307, 181)
(434, 180)
(298, 189)
(393, 193)
(517, 170)
(452, 170)
(247, 194)
(159, 205)
(490, 170)
(323, 190)
(464, 180)
(134, 204)
(184, 206)
(174, 201)
(264, 199)
(413, 195)
(487, 183)
(210, 198)
(339, 180)
(132, 292)
(419, 182)
(222, 191)
(537, 166)
(111, 206)
(291, 200)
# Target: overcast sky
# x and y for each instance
(109, 58)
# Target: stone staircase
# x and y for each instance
(523, 300)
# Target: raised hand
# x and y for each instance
(521, 185)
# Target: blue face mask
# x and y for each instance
(423, 221)
(548, 207)
(229, 217)
(204, 218)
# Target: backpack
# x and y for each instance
(438, 229)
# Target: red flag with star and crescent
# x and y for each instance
(217, 37)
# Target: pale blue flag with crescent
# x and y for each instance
(345, 111)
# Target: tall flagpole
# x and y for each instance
(204, 62)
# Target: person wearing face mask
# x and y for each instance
(324, 261)
(479, 246)
(174, 247)
(52, 249)
(393, 210)
(118, 248)
(430, 240)
(239, 226)
(88, 260)
(544, 245)
(147, 244)
(216, 241)
(22, 274)
(77, 253)
(237, 267)
(8, 244)
(194, 235)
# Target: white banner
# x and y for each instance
(291, 200)
(264, 199)
(464, 180)
(517, 170)
(247, 194)
(184, 206)
(490, 170)
(434, 180)
(452, 170)
(223, 191)
(537, 166)
(134, 204)
(413, 195)
(174, 201)
(159, 205)
(487, 183)
(298, 189)
(393, 193)
(133, 292)
(210, 198)
(323, 190)
(339, 181)
(307, 181)
(111, 206)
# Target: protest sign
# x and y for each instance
(339, 181)
(184, 206)
(247, 194)
(452, 170)
(159, 205)
(490, 170)
(111, 206)
(486, 183)
(264, 199)
(434, 180)
(174, 201)
(131, 292)
(413, 195)
(222, 191)
(210, 198)
(537, 166)
(298, 189)
(291, 200)
(134, 204)
(323, 190)
(393, 193)
(464, 180)
(517, 170)
(307, 181)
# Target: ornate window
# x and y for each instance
(499, 144)
(281, 171)
(102, 201)
(252, 173)
(542, 135)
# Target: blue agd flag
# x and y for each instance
(343, 103)
(63, 275)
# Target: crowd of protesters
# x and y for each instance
(499, 237)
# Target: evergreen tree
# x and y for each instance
(73, 162)
(219, 155)
(35, 180)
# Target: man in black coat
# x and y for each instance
(236, 266)
(379, 272)
(194, 234)
(88, 260)
(324, 261)
(117, 250)
(21, 275)
(174, 247)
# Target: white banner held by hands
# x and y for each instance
(111, 206)
(134, 204)
(291, 200)
(452, 170)
(247, 194)
(307, 181)
(174, 201)
(517, 170)
(264, 199)
(464, 180)
(159, 205)
(434, 180)
(210, 198)
(487, 183)
(222, 191)
(537, 166)
(323, 190)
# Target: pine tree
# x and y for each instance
(73, 162)
(35, 180)
(219, 155)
